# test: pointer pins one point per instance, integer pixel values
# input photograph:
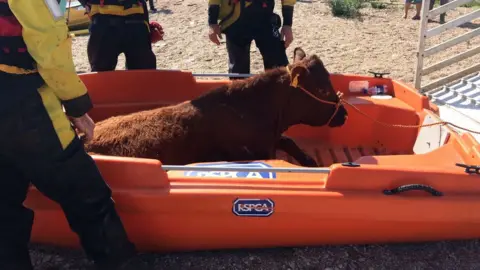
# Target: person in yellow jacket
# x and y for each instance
(245, 20)
(121, 26)
(38, 144)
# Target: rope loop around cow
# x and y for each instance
(294, 83)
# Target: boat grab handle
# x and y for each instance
(404, 188)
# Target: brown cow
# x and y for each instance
(240, 121)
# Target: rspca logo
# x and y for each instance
(253, 207)
(233, 174)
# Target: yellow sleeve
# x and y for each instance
(289, 2)
(214, 2)
(46, 35)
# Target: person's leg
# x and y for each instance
(238, 49)
(15, 220)
(103, 46)
(418, 8)
(271, 46)
(47, 150)
(443, 15)
(407, 8)
(138, 47)
(152, 6)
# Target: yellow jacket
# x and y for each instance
(46, 35)
(230, 11)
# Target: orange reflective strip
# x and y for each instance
(115, 10)
(16, 70)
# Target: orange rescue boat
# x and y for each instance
(377, 183)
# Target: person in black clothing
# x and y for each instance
(243, 21)
(120, 27)
(152, 6)
(41, 97)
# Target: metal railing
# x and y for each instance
(230, 75)
(425, 33)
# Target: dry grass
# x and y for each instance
(380, 40)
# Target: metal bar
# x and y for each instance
(233, 75)
(451, 24)
(451, 42)
(451, 78)
(444, 8)
(421, 44)
(451, 60)
(243, 169)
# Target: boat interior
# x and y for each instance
(361, 140)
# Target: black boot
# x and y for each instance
(101, 232)
(14, 254)
(107, 243)
(442, 18)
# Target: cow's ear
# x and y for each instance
(298, 54)
(298, 74)
(314, 61)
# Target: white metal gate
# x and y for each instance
(425, 33)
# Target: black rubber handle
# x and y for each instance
(404, 188)
(378, 74)
(469, 168)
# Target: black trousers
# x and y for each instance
(264, 30)
(112, 35)
(152, 6)
(34, 150)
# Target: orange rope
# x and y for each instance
(294, 83)
(442, 123)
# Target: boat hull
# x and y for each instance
(184, 210)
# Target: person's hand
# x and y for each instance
(84, 124)
(87, 11)
(287, 35)
(214, 33)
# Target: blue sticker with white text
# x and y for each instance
(233, 174)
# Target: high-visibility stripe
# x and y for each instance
(16, 70)
(122, 3)
(115, 10)
(60, 122)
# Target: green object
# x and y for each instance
(63, 5)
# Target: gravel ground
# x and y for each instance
(438, 255)
(381, 40)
